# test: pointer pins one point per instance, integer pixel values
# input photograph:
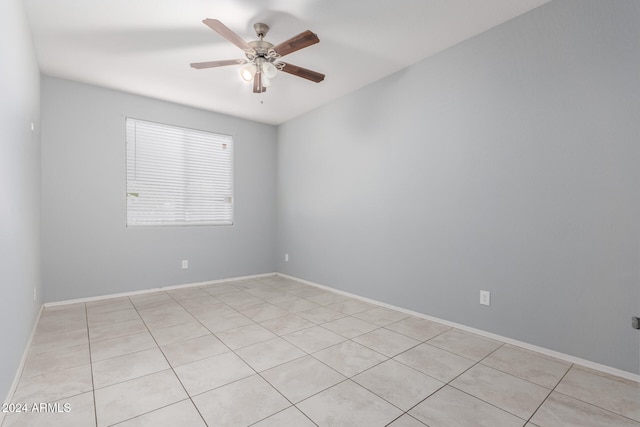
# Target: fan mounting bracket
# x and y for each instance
(261, 29)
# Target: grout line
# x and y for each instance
(93, 385)
(168, 363)
(550, 392)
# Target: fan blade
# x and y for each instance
(298, 42)
(302, 72)
(211, 64)
(226, 32)
(257, 84)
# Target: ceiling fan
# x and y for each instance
(263, 58)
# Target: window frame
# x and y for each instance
(228, 171)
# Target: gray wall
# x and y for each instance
(86, 248)
(508, 163)
(19, 188)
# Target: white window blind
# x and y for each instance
(178, 176)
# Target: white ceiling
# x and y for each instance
(145, 46)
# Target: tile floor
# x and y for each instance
(275, 352)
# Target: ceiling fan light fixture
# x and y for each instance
(269, 70)
(247, 72)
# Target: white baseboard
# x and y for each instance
(25, 354)
(163, 288)
(552, 353)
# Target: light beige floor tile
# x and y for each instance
(41, 337)
(202, 302)
(289, 417)
(349, 358)
(109, 304)
(313, 339)
(420, 329)
(212, 372)
(115, 330)
(61, 324)
(79, 412)
(306, 291)
(286, 324)
(213, 312)
(54, 386)
(219, 288)
(224, 321)
(56, 360)
(327, 298)
(135, 397)
(351, 306)
(535, 367)
(301, 378)
(296, 305)
(264, 311)
(605, 391)
(246, 284)
(270, 353)
(58, 341)
(154, 299)
(381, 316)
(156, 318)
(266, 292)
(386, 342)
(348, 404)
(350, 327)
(177, 333)
(240, 403)
(183, 352)
(244, 336)
(280, 298)
(406, 421)
(435, 362)
(465, 344)
(240, 300)
(505, 391)
(561, 410)
(451, 407)
(398, 384)
(128, 366)
(111, 317)
(113, 347)
(66, 313)
(187, 293)
(320, 314)
(182, 413)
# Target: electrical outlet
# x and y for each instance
(485, 297)
(35, 293)
(635, 322)
(185, 264)
(286, 257)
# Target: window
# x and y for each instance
(178, 176)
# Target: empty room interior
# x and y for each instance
(431, 219)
